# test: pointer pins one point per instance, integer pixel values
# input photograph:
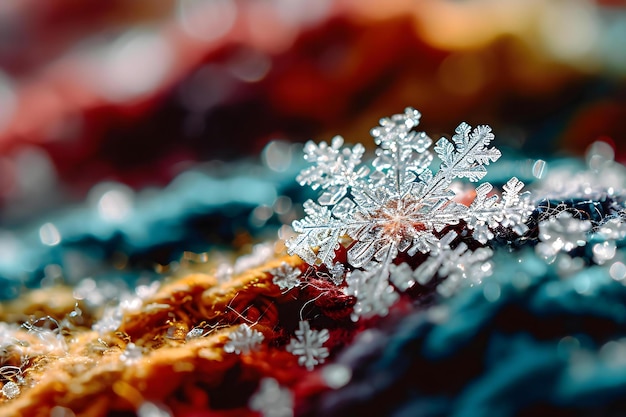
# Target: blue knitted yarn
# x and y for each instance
(533, 339)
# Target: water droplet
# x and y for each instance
(618, 271)
(539, 168)
(49, 235)
(604, 251)
(336, 376)
(277, 155)
(491, 291)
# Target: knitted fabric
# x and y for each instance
(86, 371)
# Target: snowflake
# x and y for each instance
(195, 333)
(337, 273)
(10, 390)
(243, 340)
(308, 345)
(398, 205)
(271, 400)
(562, 232)
(286, 276)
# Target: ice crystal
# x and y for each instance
(373, 293)
(562, 232)
(271, 400)
(10, 390)
(243, 340)
(398, 204)
(195, 333)
(486, 213)
(613, 229)
(603, 252)
(286, 276)
(337, 273)
(459, 265)
(309, 345)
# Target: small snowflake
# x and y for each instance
(195, 333)
(486, 213)
(337, 273)
(562, 232)
(243, 340)
(272, 400)
(286, 276)
(11, 390)
(308, 345)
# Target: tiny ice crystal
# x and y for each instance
(562, 232)
(286, 276)
(11, 390)
(243, 340)
(308, 345)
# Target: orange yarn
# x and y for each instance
(90, 378)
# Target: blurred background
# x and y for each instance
(134, 133)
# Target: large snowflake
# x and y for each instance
(398, 204)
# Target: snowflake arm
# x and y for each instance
(402, 154)
(243, 340)
(309, 345)
(468, 269)
(372, 290)
(334, 170)
(320, 230)
(459, 265)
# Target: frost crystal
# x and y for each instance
(10, 390)
(243, 340)
(337, 273)
(562, 232)
(398, 205)
(613, 229)
(373, 293)
(459, 265)
(195, 333)
(286, 276)
(308, 345)
(271, 400)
